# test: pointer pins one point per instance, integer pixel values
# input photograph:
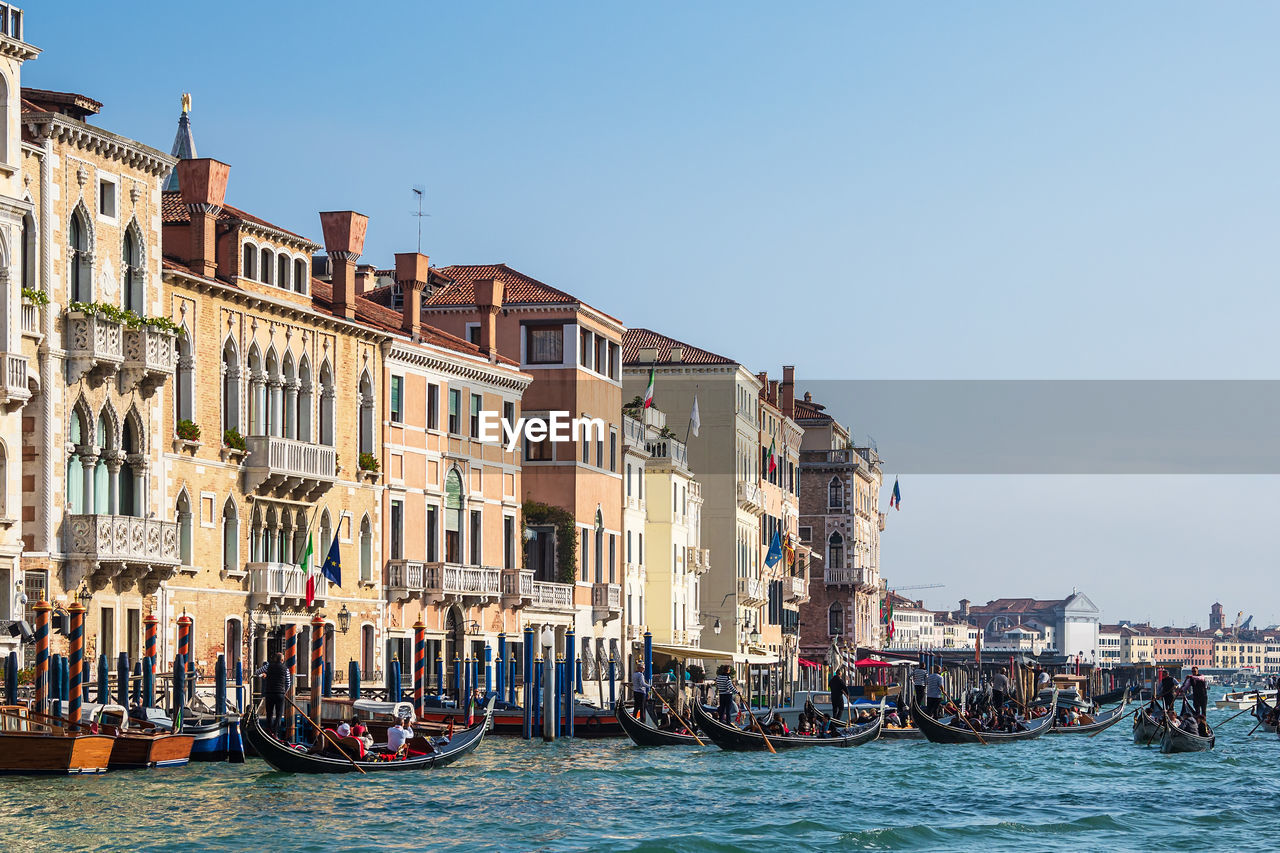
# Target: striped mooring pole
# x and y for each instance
(76, 615)
(42, 610)
(502, 665)
(419, 667)
(291, 663)
(184, 651)
(317, 668)
(149, 663)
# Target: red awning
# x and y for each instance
(804, 662)
(870, 662)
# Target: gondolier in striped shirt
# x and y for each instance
(724, 691)
(918, 679)
(276, 681)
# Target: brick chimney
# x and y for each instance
(489, 301)
(343, 243)
(366, 279)
(788, 404)
(203, 184)
(412, 270)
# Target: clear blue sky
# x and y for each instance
(943, 190)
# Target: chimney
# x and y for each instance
(412, 270)
(676, 354)
(964, 607)
(203, 184)
(365, 275)
(489, 301)
(343, 243)
(788, 404)
(773, 391)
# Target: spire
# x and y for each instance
(184, 144)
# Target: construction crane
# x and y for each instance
(918, 586)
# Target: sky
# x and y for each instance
(958, 190)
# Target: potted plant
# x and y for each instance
(368, 463)
(189, 430)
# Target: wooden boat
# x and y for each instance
(940, 732)
(289, 759)
(1262, 711)
(733, 738)
(644, 734)
(1175, 739)
(1238, 700)
(139, 744)
(30, 747)
(1146, 727)
(1097, 723)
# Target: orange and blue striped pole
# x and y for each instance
(419, 666)
(291, 663)
(149, 663)
(317, 667)
(76, 638)
(42, 609)
(184, 650)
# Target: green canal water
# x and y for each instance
(1057, 793)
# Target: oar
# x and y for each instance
(677, 718)
(1233, 716)
(759, 728)
(968, 722)
(325, 734)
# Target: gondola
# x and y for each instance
(733, 738)
(286, 759)
(1261, 711)
(1104, 720)
(1146, 728)
(1176, 739)
(940, 732)
(644, 734)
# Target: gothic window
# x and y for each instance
(81, 260)
(326, 404)
(304, 400)
(248, 263)
(835, 494)
(835, 551)
(230, 537)
(132, 270)
(230, 386)
(835, 620)
(182, 515)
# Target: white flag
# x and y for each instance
(695, 420)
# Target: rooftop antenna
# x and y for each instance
(420, 192)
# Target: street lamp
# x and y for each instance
(84, 596)
(344, 619)
(716, 626)
(273, 616)
(754, 637)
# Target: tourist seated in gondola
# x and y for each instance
(833, 729)
(397, 734)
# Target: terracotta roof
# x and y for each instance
(637, 339)
(1015, 605)
(67, 103)
(517, 288)
(176, 213)
(807, 409)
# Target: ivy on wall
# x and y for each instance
(538, 514)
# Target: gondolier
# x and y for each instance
(1000, 688)
(933, 691)
(1168, 684)
(639, 691)
(837, 687)
(918, 679)
(724, 692)
(1198, 689)
(276, 681)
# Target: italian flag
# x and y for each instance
(308, 566)
(773, 458)
(648, 392)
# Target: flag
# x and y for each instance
(895, 500)
(333, 564)
(772, 459)
(886, 608)
(695, 420)
(789, 546)
(648, 392)
(775, 551)
(307, 556)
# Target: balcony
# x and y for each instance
(286, 467)
(517, 587)
(842, 577)
(123, 546)
(150, 356)
(635, 632)
(751, 592)
(457, 584)
(698, 560)
(405, 579)
(606, 602)
(843, 456)
(95, 345)
(795, 588)
(282, 583)
(670, 449)
(16, 389)
(31, 320)
(555, 597)
(750, 497)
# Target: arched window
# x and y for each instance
(230, 386)
(289, 381)
(453, 517)
(326, 404)
(282, 271)
(81, 260)
(4, 481)
(75, 471)
(182, 515)
(30, 276)
(366, 413)
(234, 643)
(300, 532)
(257, 392)
(628, 479)
(132, 271)
(366, 550)
(273, 409)
(102, 492)
(366, 648)
(185, 392)
(131, 483)
(265, 268)
(300, 275)
(249, 261)
(16, 32)
(326, 534)
(257, 546)
(835, 551)
(835, 620)
(230, 537)
(304, 400)
(835, 494)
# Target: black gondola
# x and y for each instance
(644, 734)
(1262, 711)
(733, 738)
(940, 732)
(1177, 739)
(1146, 728)
(286, 759)
(1104, 720)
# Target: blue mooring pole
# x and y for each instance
(220, 686)
(179, 687)
(104, 680)
(396, 678)
(613, 697)
(559, 727)
(466, 683)
(570, 677)
(353, 680)
(511, 679)
(11, 679)
(488, 672)
(148, 683)
(439, 676)
(528, 683)
(240, 686)
(502, 666)
(457, 680)
(537, 692)
(122, 680)
(648, 656)
(136, 691)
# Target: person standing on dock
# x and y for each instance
(1198, 689)
(639, 691)
(1000, 688)
(275, 686)
(933, 692)
(837, 687)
